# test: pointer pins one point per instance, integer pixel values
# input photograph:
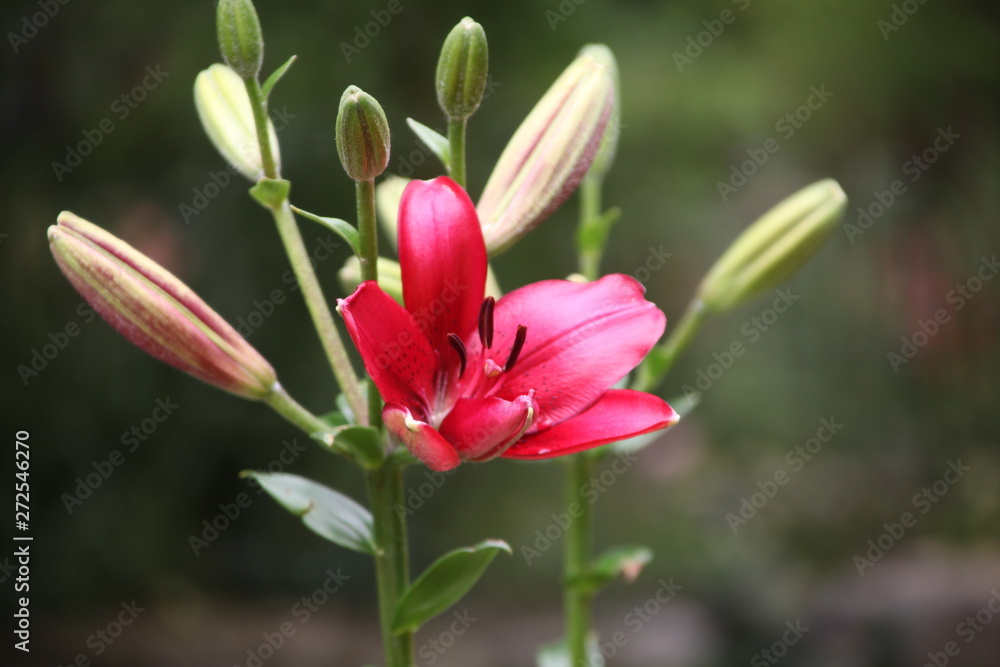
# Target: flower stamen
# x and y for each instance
(515, 350)
(459, 346)
(486, 322)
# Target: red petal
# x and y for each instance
(396, 353)
(421, 439)
(443, 260)
(483, 428)
(581, 339)
(620, 414)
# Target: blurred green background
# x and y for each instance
(686, 125)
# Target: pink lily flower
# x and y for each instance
(527, 376)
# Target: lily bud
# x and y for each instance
(224, 109)
(549, 153)
(390, 276)
(774, 247)
(609, 141)
(462, 69)
(240, 38)
(155, 311)
(362, 135)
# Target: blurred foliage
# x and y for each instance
(682, 132)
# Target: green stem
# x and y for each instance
(322, 318)
(290, 409)
(259, 105)
(577, 602)
(590, 214)
(368, 231)
(659, 362)
(456, 140)
(392, 567)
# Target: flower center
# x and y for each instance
(491, 369)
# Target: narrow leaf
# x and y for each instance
(326, 512)
(437, 143)
(341, 228)
(276, 76)
(444, 583)
(626, 561)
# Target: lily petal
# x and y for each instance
(396, 353)
(483, 428)
(443, 259)
(620, 414)
(581, 339)
(420, 438)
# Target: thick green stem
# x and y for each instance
(590, 213)
(322, 318)
(659, 362)
(456, 140)
(286, 406)
(577, 601)
(392, 567)
(368, 231)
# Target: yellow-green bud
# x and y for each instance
(155, 311)
(774, 247)
(549, 153)
(224, 109)
(462, 69)
(388, 194)
(362, 135)
(609, 142)
(390, 276)
(240, 39)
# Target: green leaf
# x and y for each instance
(437, 143)
(682, 405)
(593, 236)
(326, 512)
(556, 655)
(364, 442)
(341, 228)
(275, 77)
(626, 561)
(444, 583)
(271, 192)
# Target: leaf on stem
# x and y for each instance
(341, 228)
(437, 143)
(326, 512)
(626, 561)
(444, 583)
(265, 90)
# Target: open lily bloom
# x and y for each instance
(527, 376)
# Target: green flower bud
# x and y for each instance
(240, 39)
(549, 153)
(362, 135)
(155, 311)
(774, 247)
(462, 69)
(224, 109)
(609, 142)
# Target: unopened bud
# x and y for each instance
(224, 109)
(462, 69)
(155, 311)
(240, 39)
(609, 141)
(388, 194)
(774, 247)
(549, 154)
(362, 135)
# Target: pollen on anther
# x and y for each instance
(486, 322)
(459, 346)
(515, 350)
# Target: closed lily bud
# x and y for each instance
(774, 247)
(155, 311)
(362, 135)
(609, 142)
(387, 195)
(240, 39)
(224, 109)
(549, 153)
(462, 69)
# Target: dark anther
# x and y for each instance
(522, 333)
(459, 346)
(486, 322)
